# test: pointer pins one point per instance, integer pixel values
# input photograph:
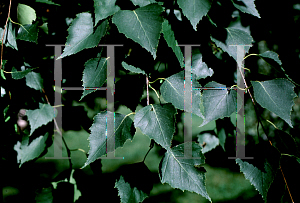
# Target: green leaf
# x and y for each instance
(104, 8)
(172, 90)
(123, 131)
(194, 10)
(271, 55)
(15, 74)
(94, 75)
(33, 150)
(44, 195)
(261, 180)
(222, 137)
(41, 116)
(129, 194)
(47, 2)
(26, 14)
(157, 122)
(171, 41)
(234, 37)
(142, 25)
(285, 143)
(199, 68)
(30, 33)
(249, 8)
(9, 41)
(44, 27)
(277, 96)
(210, 140)
(132, 68)
(34, 80)
(218, 103)
(142, 3)
(182, 173)
(81, 35)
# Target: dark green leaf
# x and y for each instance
(182, 173)
(132, 68)
(33, 150)
(171, 41)
(104, 8)
(81, 35)
(20, 74)
(123, 131)
(261, 180)
(218, 103)
(28, 33)
(157, 122)
(199, 68)
(47, 2)
(142, 25)
(129, 194)
(277, 96)
(34, 80)
(234, 37)
(41, 116)
(249, 8)
(172, 90)
(9, 41)
(194, 10)
(94, 75)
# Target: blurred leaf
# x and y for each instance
(33, 150)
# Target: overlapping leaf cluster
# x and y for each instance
(144, 26)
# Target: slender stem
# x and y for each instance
(60, 133)
(147, 84)
(264, 130)
(4, 32)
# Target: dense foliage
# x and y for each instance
(196, 81)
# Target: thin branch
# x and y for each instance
(264, 131)
(147, 84)
(59, 131)
(4, 32)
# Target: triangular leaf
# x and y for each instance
(234, 37)
(271, 55)
(142, 25)
(250, 7)
(171, 41)
(194, 10)
(81, 35)
(129, 194)
(34, 80)
(41, 116)
(123, 131)
(172, 90)
(28, 33)
(132, 68)
(157, 122)
(261, 180)
(94, 74)
(104, 8)
(182, 173)
(33, 150)
(218, 103)
(9, 41)
(26, 14)
(277, 96)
